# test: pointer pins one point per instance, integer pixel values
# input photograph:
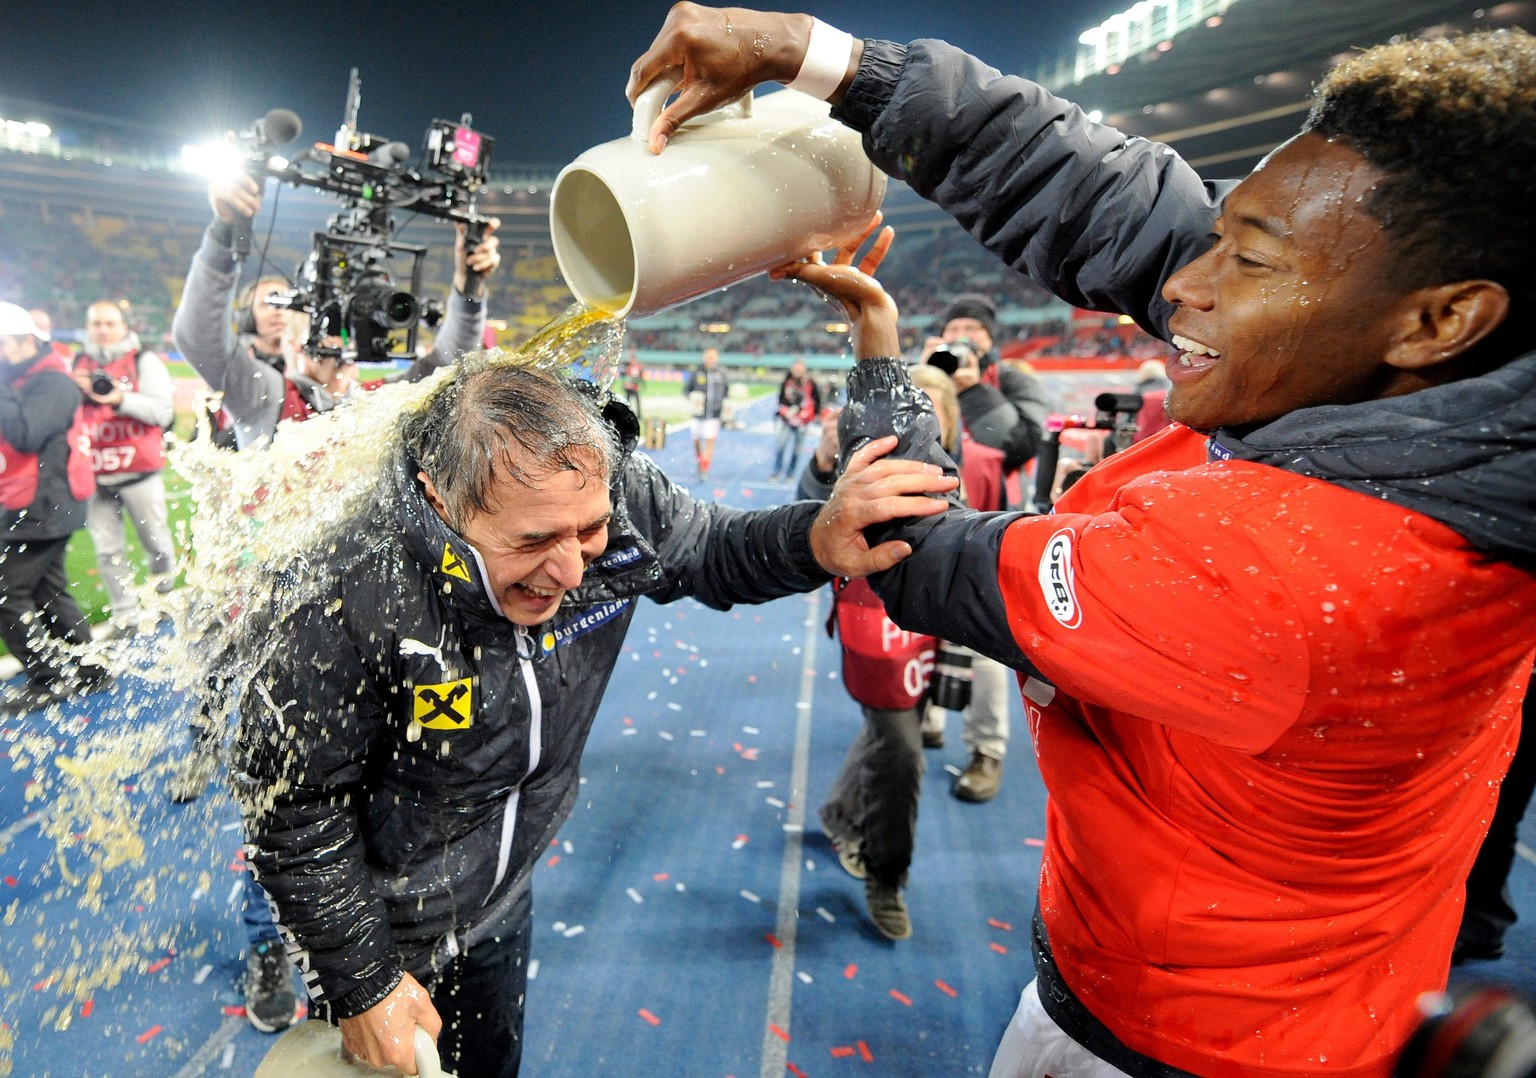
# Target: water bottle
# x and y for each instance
(951, 686)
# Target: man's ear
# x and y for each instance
(432, 497)
(1446, 321)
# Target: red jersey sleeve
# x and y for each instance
(1161, 598)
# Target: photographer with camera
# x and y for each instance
(1002, 406)
(128, 408)
(994, 423)
(45, 482)
(256, 393)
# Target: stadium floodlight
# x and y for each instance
(217, 160)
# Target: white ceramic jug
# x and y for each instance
(312, 1049)
(736, 192)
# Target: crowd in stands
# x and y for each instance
(67, 257)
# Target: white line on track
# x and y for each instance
(781, 981)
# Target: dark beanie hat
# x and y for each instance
(971, 305)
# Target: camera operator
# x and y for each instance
(1002, 407)
(256, 393)
(127, 409)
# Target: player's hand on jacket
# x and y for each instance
(874, 489)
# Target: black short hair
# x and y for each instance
(1451, 121)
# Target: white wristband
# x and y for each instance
(826, 61)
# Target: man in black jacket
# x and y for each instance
(45, 481)
(410, 744)
(1003, 407)
(1355, 393)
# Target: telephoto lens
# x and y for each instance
(951, 688)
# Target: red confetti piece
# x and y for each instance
(649, 1017)
(40, 985)
(628, 721)
(796, 1071)
(998, 947)
(555, 860)
(779, 1033)
(10, 881)
(87, 1007)
(157, 965)
(1001, 926)
(948, 991)
(865, 1054)
(752, 679)
(736, 746)
(234, 1011)
(1035, 842)
(849, 970)
(899, 998)
(149, 1034)
(843, 1051)
(771, 938)
(662, 876)
(719, 770)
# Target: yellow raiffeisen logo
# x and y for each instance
(453, 565)
(449, 706)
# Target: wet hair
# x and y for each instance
(496, 417)
(1452, 123)
(948, 406)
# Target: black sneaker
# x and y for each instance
(933, 739)
(270, 1001)
(30, 697)
(193, 772)
(1472, 950)
(887, 909)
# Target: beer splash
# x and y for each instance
(97, 791)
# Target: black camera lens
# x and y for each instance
(952, 355)
(944, 359)
(102, 384)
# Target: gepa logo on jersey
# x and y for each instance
(455, 566)
(1056, 582)
(449, 706)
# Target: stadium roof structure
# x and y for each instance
(1225, 95)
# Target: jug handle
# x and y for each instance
(653, 99)
(428, 1065)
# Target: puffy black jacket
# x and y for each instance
(401, 778)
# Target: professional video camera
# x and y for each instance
(1115, 413)
(349, 283)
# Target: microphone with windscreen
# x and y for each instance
(277, 128)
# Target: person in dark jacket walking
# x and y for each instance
(399, 790)
(45, 482)
(1273, 657)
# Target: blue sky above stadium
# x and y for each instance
(545, 80)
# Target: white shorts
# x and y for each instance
(705, 430)
(1034, 1046)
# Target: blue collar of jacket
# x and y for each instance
(1461, 453)
(628, 567)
